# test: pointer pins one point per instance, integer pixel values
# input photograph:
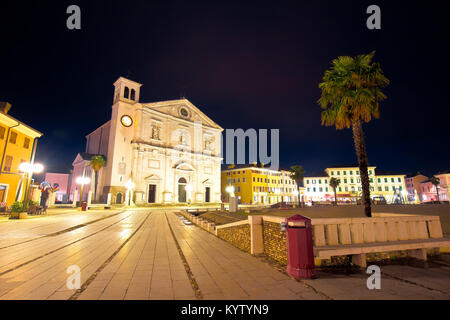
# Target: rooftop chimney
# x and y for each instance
(4, 107)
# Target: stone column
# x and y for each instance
(108, 199)
(89, 198)
(256, 234)
(75, 197)
(52, 199)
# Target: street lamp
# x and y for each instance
(130, 185)
(188, 189)
(28, 169)
(82, 181)
(230, 191)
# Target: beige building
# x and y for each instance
(160, 152)
(389, 185)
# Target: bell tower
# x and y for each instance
(126, 90)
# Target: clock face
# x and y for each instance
(126, 121)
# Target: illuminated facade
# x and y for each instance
(259, 185)
(389, 185)
(17, 144)
(429, 192)
(169, 150)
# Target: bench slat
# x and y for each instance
(357, 232)
(319, 235)
(380, 232)
(402, 231)
(392, 233)
(412, 230)
(422, 230)
(344, 234)
(435, 229)
(332, 234)
(369, 232)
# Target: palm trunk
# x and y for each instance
(335, 197)
(437, 193)
(299, 202)
(360, 147)
(95, 187)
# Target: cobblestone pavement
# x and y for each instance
(146, 254)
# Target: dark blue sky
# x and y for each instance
(245, 64)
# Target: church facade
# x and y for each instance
(160, 152)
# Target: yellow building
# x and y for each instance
(17, 145)
(259, 185)
(383, 184)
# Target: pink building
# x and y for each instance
(429, 191)
(63, 179)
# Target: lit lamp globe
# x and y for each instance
(83, 180)
(188, 188)
(31, 168)
(130, 185)
(230, 191)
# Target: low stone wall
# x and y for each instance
(238, 236)
(274, 242)
(202, 223)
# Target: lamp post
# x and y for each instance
(28, 169)
(130, 186)
(188, 189)
(82, 181)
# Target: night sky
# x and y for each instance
(244, 64)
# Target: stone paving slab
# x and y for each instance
(149, 266)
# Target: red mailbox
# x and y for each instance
(83, 206)
(300, 248)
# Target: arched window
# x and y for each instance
(182, 180)
(126, 92)
(133, 94)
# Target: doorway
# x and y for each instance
(207, 194)
(151, 193)
(182, 190)
(3, 193)
(119, 198)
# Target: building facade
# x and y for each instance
(259, 185)
(383, 184)
(414, 188)
(17, 144)
(161, 152)
(63, 180)
(429, 192)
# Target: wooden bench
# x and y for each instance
(359, 236)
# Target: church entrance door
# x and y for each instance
(151, 193)
(182, 190)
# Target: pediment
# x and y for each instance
(184, 166)
(183, 109)
(153, 177)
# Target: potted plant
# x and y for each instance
(17, 211)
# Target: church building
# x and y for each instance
(159, 152)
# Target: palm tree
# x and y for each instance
(97, 162)
(435, 182)
(350, 96)
(297, 173)
(334, 183)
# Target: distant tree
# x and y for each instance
(297, 174)
(97, 162)
(350, 96)
(334, 183)
(435, 182)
